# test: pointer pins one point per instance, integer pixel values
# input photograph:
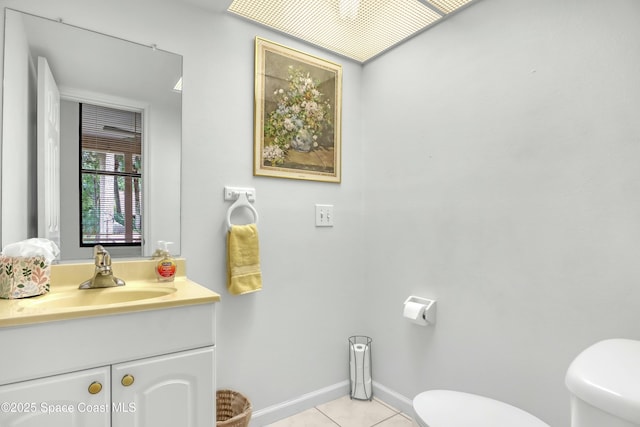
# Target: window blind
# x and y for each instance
(111, 176)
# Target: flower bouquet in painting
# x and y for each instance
(299, 120)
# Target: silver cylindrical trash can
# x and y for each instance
(360, 367)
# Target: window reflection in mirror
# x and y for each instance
(110, 176)
(92, 68)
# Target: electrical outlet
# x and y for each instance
(324, 215)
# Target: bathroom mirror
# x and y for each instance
(89, 68)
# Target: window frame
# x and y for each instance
(82, 95)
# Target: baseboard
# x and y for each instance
(393, 398)
(271, 414)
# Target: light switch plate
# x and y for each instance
(324, 215)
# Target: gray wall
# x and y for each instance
(291, 338)
(502, 161)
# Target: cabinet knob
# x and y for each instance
(95, 387)
(127, 380)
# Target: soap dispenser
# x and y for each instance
(165, 264)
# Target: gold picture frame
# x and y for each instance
(297, 114)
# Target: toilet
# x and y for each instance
(604, 381)
(447, 408)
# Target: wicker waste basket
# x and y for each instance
(233, 409)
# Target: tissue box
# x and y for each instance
(22, 277)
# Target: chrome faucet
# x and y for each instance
(103, 276)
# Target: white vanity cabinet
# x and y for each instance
(156, 368)
(171, 390)
(66, 400)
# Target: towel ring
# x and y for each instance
(242, 202)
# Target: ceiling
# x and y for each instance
(356, 29)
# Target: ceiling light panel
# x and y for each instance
(448, 6)
(358, 29)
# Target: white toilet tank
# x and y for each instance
(604, 381)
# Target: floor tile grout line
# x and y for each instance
(386, 405)
(386, 419)
(330, 419)
(394, 410)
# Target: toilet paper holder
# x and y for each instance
(429, 311)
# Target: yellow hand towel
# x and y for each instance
(243, 260)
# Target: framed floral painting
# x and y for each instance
(297, 114)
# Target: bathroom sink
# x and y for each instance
(104, 296)
(142, 292)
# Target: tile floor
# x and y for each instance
(345, 412)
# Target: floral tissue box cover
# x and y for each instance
(22, 277)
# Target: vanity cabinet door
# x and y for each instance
(77, 399)
(165, 391)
